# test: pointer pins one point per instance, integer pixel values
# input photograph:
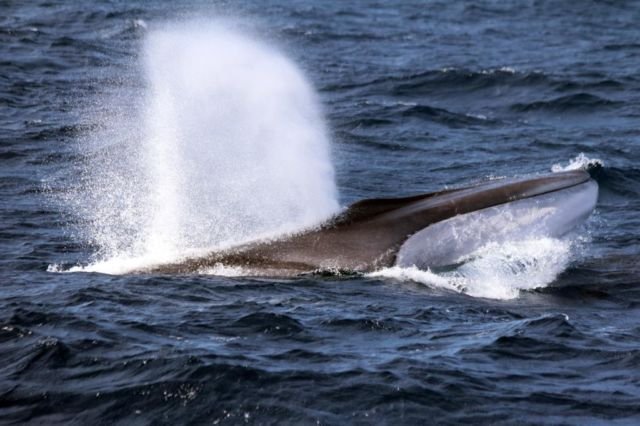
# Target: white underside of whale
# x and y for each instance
(549, 215)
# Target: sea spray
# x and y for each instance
(231, 146)
(580, 162)
(498, 270)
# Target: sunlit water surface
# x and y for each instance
(134, 133)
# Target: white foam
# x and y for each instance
(226, 145)
(55, 267)
(140, 23)
(224, 271)
(580, 162)
(496, 271)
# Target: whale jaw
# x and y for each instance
(552, 214)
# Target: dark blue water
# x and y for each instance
(417, 96)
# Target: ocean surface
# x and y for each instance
(135, 132)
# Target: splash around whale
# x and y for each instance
(433, 230)
(231, 173)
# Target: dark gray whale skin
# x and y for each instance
(367, 235)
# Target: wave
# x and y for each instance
(581, 162)
(599, 84)
(447, 79)
(443, 116)
(389, 114)
(496, 89)
(578, 102)
(623, 182)
(620, 181)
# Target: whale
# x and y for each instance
(432, 230)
